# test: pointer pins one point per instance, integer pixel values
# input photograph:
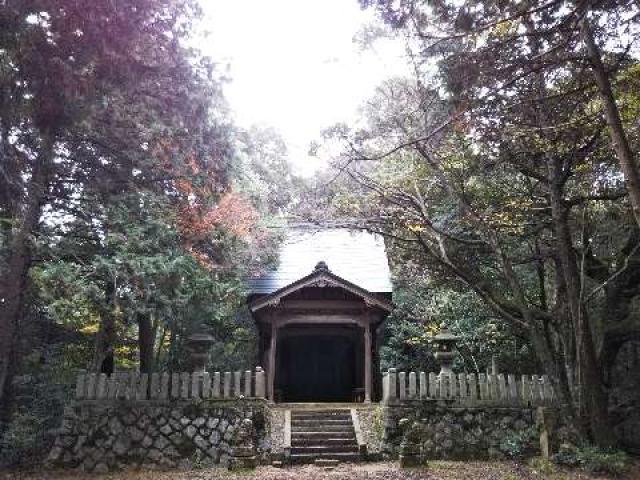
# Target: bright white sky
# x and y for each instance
(294, 65)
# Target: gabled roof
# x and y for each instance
(320, 277)
(357, 256)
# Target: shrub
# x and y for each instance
(593, 459)
(517, 443)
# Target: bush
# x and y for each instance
(593, 459)
(517, 443)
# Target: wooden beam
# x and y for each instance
(272, 360)
(322, 304)
(367, 363)
(322, 319)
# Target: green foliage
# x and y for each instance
(40, 398)
(593, 459)
(424, 304)
(517, 443)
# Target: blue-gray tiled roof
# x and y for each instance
(355, 255)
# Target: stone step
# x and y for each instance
(321, 428)
(319, 435)
(327, 415)
(319, 450)
(320, 442)
(323, 421)
(313, 457)
(346, 435)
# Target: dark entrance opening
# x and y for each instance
(316, 368)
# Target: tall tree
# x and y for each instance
(505, 208)
(97, 99)
(528, 92)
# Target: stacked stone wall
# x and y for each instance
(104, 436)
(429, 430)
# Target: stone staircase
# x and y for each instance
(319, 436)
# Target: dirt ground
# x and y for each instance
(368, 471)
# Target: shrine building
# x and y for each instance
(320, 315)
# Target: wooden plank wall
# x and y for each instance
(468, 389)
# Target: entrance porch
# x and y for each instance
(318, 340)
(319, 364)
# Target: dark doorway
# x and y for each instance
(316, 368)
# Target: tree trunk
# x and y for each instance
(146, 342)
(16, 276)
(106, 336)
(592, 401)
(612, 115)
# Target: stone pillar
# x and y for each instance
(272, 361)
(367, 363)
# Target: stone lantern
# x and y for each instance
(199, 343)
(445, 350)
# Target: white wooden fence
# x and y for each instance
(165, 386)
(467, 389)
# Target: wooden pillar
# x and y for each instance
(272, 360)
(367, 362)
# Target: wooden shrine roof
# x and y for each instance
(355, 256)
(320, 277)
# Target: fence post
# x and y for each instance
(216, 385)
(482, 383)
(502, 387)
(513, 388)
(538, 388)
(393, 381)
(227, 385)
(260, 383)
(132, 387)
(91, 386)
(412, 385)
(206, 385)
(123, 385)
(80, 386)
(184, 385)
(402, 385)
(237, 390)
(462, 380)
(175, 385)
(433, 386)
(423, 386)
(164, 385)
(473, 388)
(453, 390)
(525, 390)
(112, 386)
(492, 387)
(385, 387)
(247, 383)
(154, 387)
(101, 387)
(442, 380)
(195, 384)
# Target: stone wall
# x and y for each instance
(370, 418)
(432, 430)
(100, 436)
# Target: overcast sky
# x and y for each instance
(294, 65)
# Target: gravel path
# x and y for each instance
(369, 471)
